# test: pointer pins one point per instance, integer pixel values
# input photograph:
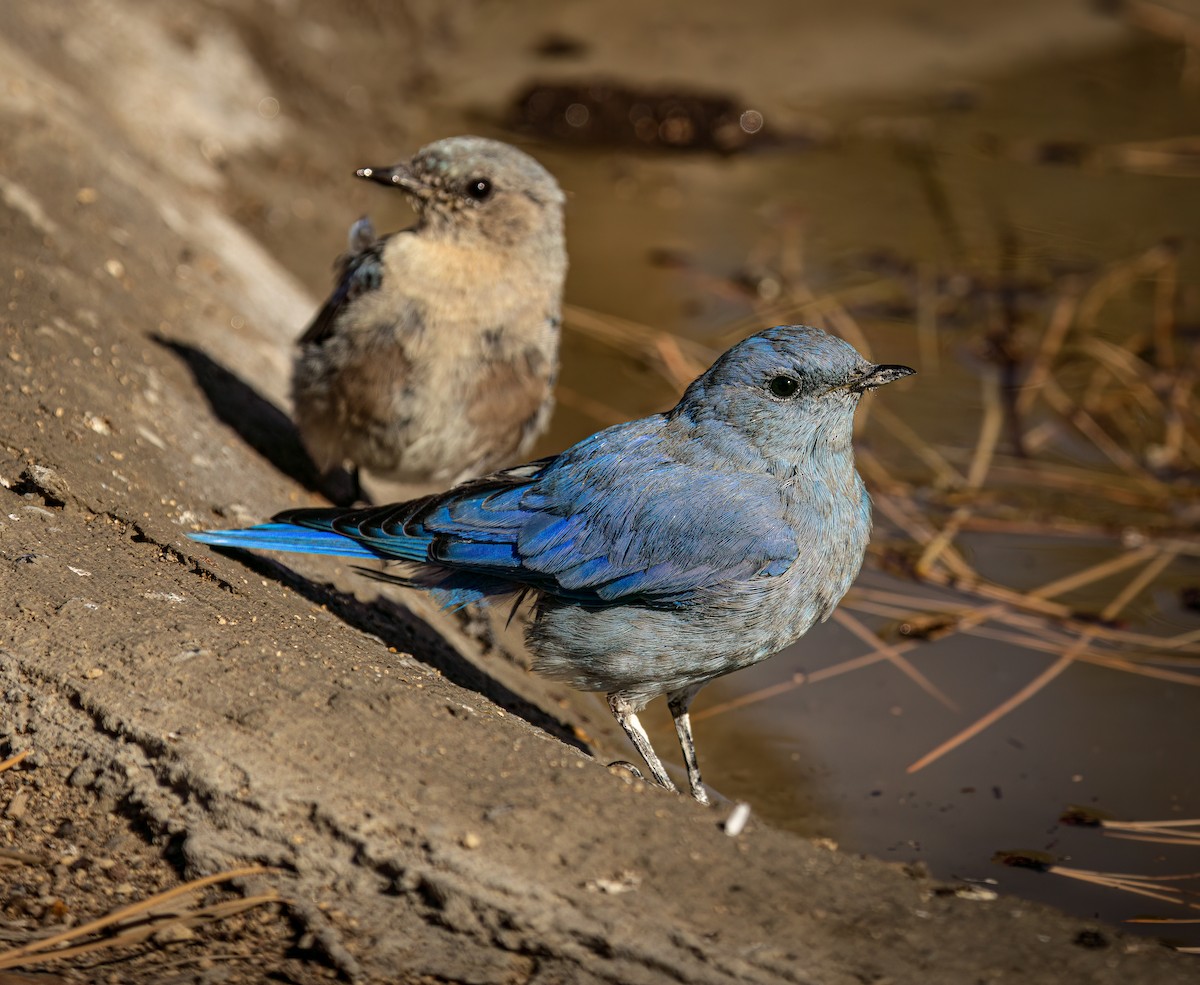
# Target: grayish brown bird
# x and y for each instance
(435, 357)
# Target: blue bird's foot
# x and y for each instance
(623, 712)
(678, 701)
(625, 765)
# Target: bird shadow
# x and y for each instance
(262, 425)
(271, 433)
(398, 627)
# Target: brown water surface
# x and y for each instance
(927, 184)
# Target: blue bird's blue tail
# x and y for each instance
(286, 537)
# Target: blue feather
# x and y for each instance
(476, 554)
(286, 537)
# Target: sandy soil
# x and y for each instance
(427, 811)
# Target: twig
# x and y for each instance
(1166, 292)
(681, 369)
(985, 447)
(891, 654)
(990, 590)
(1060, 323)
(1148, 886)
(993, 716)
(24, 858)
(1143, 578)
(137, 934)
(1086, 576)
(1120, 276)
(1085, 654)
(595, 409)
(1120, 361)
(825, 673)
(1190, 822)
(901, 513)
(13, 760)
(805, 310)
(1163, 21)
(14, 958)
(1087, 426)
(1175, 408)
(630, 336)
(944, 473)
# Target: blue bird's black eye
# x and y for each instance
(783, 386)
(479, 189)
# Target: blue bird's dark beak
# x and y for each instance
(879, 376)
(396, 176)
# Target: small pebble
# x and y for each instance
(17, 805)
(173, 933)
(736, 822)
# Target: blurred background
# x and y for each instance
(1001, 195)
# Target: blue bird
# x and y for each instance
(662, 553)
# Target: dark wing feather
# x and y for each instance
(355, 274)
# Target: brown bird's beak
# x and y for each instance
(396, 176)
(881, 375)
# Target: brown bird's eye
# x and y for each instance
(479, 189)
(783, 386)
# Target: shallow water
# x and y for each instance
(830, 758)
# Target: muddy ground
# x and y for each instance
(425, 811)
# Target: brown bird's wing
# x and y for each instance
(357, 273)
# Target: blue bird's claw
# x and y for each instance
(625, 766)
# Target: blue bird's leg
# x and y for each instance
(623, 712)
(679, 702)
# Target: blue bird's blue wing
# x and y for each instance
(605, 523)
(601, 523)
(663, 534)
